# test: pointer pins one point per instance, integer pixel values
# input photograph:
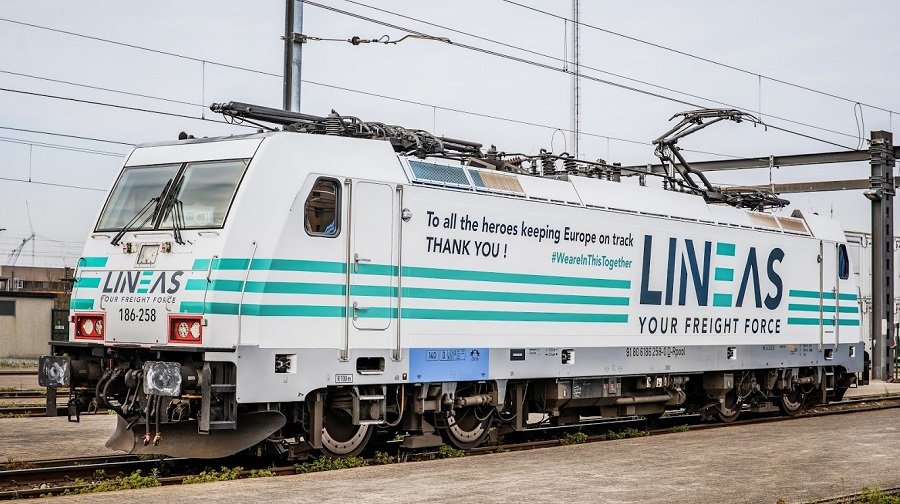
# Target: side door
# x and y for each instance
(837, 301)
(372, 296)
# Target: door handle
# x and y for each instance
(357, 309)
(357, 260)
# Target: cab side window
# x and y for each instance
(843, 262)
(322, 210)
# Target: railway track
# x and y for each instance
(24, 479)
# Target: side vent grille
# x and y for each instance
(441, 174)
(496, 181)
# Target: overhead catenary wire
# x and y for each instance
(139, 47)
(556, 69)
(117, 106)
(566, 65)
(101, 88)
(65, 135)
(60, 147)
(38, 182)
(700, 58)
(271, 74)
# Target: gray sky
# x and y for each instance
(832, 46)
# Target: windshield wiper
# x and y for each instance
(131, 224)
(173, 206)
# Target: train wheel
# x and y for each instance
(791, 402)
(340, 438)
(730, 409)
(469, 430)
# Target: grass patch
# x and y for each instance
(133, 480)
(875, 495)
(680, 428)
(13, 415)
(630, 432)
(261, 473)
(17, 364)
(574, 438)
(382, 458)
(447, 451)
(225, 474)
(13, 464)
(329, 464)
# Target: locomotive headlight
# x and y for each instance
(195, 330)
(183, 329)
(53, 371)
(162, 378)
(98, 327)
(87, 326)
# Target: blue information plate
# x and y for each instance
(448, 364)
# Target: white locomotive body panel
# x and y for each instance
(441, 273)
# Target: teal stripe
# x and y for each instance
(200, 264)
(81, 304)
(142, 290)
(420, 272)
(519, 278)
(409, 292)
(92, 262)
(298, 265)
(217, 308)
(724, 274)
(221, 263)
(377, 269)
(815, 321)
(295, 288)
(292, 310)
(510, 316)
(724, 249)
(145, 281)
(826, 309)
(722, 300)
(512, 297)
(147, 273)
(195, 284)
(408, 313)
(87, 283)
(825, 295)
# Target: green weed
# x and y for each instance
(446, 451)
(574, 438)
(382, 458)
(680, 428)
(329, 464)
(225, 474)
(133, 480)
(261, 473)
(630, 432)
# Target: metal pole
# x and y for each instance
(576, 72)
(293, 53)
(881, 193)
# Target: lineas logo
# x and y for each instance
(716, 273)
(142, 282)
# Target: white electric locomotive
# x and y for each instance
(295, 290)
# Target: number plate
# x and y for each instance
(137, 314)
(343, 378)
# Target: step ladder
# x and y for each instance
(226, 393)
(828, 383)
(363, 405)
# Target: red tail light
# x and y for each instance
(90, 326)
(185, 329)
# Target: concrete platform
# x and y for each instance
(797, 460)
(50, 438)
(18, 382)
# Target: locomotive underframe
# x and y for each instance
(300, 410)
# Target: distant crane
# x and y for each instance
(16, 252)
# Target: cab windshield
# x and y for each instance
(203, 192)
